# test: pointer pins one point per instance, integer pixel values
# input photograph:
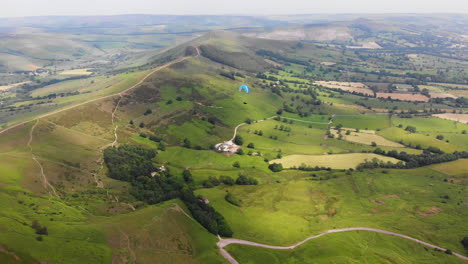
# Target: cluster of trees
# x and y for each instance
(231, 75)
(258, 132)
(276, 167)
(304, 167)
(55, 95)
(153, 185)
(151, 137)
(39, 229)
(206, 215)
(284, 120)
(282, 128)
(410, 129)
(412, 160)
(227, 180)
(238, 140)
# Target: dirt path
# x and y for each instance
(45, 182)
(225, 242)
(113, 121)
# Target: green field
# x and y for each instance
(425, 141)
(287, 212)
(372, 122)
(431, 124)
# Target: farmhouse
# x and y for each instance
(227, 147)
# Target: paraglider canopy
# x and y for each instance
(245, 88)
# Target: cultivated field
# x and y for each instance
(335, 161)
(462, 118)
(443, 95)
(453, 168)
(8, 87)
(404, 97)
(76, 72)
(347, 86)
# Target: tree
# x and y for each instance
(240, 151)
(148, 111)
(238, 140)
(236, 164)
(410, 129)
(464, 242)
(169, 102)
(244, 180)
(131, 122)
(187, 143)
(227, 180)
(374, 144)
(162, 147)
(40, 230)
(440, 137)
(187, 175)
(276, 167)
(142, 125)
(251, 145)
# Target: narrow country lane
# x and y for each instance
(225, 242)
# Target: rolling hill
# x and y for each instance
(120, 166)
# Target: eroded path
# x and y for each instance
(49, 187)
(225, 242)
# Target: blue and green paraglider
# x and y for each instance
(245, 88)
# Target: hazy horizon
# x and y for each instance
(27, 8)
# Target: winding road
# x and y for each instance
(225, 242)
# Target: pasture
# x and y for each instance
(425, 141)
(395, 200)
(368, 122)
(432, 124)
(365, 137)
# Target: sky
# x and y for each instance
(20, 8)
